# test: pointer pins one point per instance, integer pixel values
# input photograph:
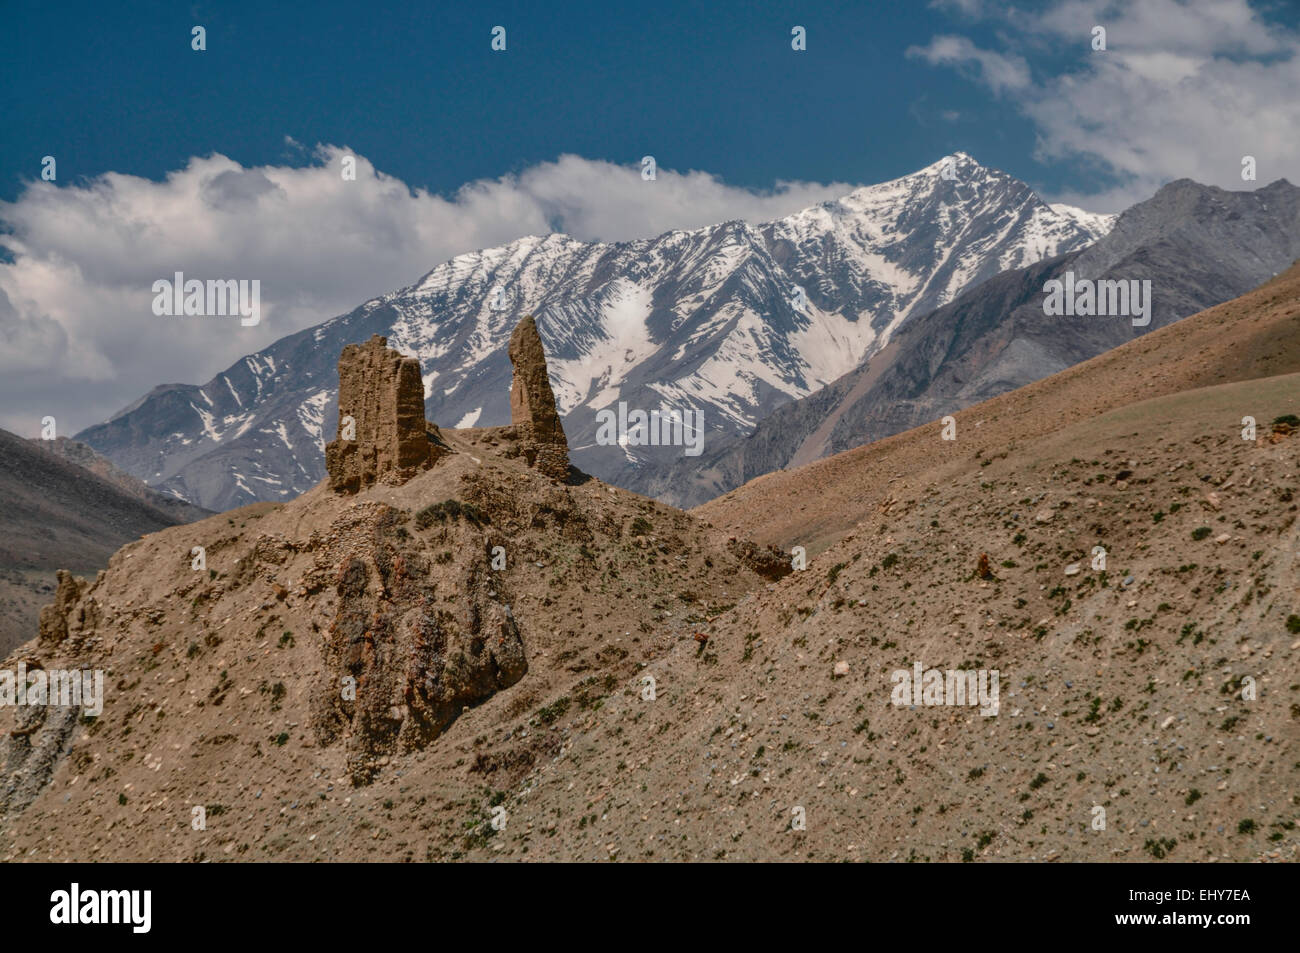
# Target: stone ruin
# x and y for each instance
(533, 413)
(383, 394)
(418, 639)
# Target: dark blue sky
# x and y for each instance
(415, 88)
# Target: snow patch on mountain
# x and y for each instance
(620, 342)
(1095, 224)
(311, 414)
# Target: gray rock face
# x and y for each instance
(1199, 246)
(733, 320)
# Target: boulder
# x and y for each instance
(55, 618)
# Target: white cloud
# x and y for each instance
(1184, 89)
(999, 72)
(78, 337)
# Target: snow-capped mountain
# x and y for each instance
(733, 320)
(1194, 245)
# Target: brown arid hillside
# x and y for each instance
(626, 689)
(1119, 689)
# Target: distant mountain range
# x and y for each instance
(734, 320)
(1197, 245)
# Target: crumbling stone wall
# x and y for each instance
(381, 390)
(532, 404)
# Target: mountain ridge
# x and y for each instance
(674, 705)
(1248, 338)
(710, 319)
(58, 514)
(1197, 245)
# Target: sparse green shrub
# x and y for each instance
(553, 712)
(449, 511)
(1159, 849)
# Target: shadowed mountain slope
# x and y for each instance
(1256, 335)
(56, 514)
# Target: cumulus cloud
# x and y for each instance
(21, 336)
(78, 336)
(1184, 89)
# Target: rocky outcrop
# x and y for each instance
(532, 404)
(383, 436)
(768, 561)
(42, 730)
(31, 751)
(413, 641)
(67, 615)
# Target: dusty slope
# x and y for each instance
(1119, 689)
(1256, 335)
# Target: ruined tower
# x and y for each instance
(532, 404)
(380, 390)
